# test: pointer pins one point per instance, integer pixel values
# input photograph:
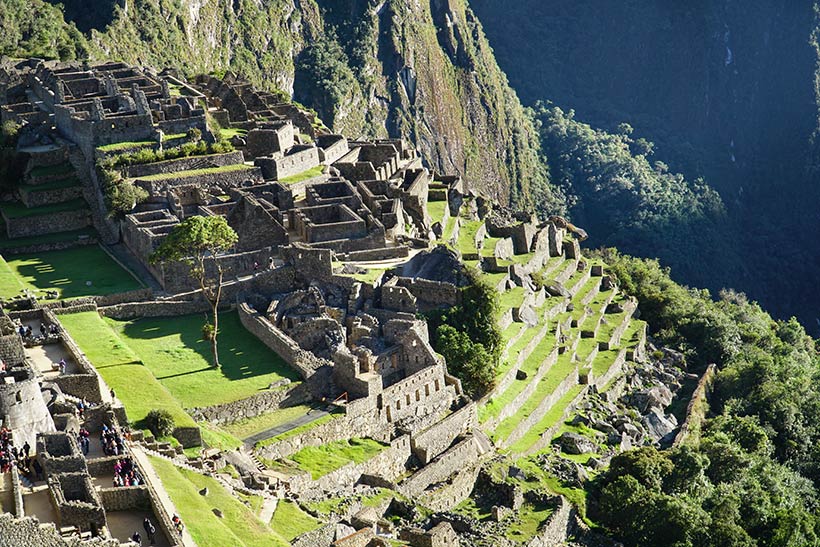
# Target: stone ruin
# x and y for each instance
(314, 212)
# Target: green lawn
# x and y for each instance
(197, 172)
(321, 460)
(19, 210)
(304, 175)
(231, 132)
(119, 366)
(448, 229)
(289, 521)
(549, 420)
(173, 349)
(67, 272)
(240, 527)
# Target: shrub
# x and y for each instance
(160, 422)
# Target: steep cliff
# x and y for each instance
(422, 70)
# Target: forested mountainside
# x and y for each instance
(725, 90)
(398, 68)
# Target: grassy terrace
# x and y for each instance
(81, 271)
(530, 365)
(546, 386)
(165, 363)
(301, 429)
(510, 299)
(240, 527)
(136, 386)
(449, 228)
(466, 235)
(197, 172)
(119, 146)
(17, 242)
(53, 185)
(436, 210)
(289, 521)
(304, 175)
(321, 460)
(251, 426)
(232, 132)
(550, 419)
(490, 244)
(52, 170)
(18, 210)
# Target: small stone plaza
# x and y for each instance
(331, 420)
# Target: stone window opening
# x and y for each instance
(18, 398)
(407, 398)
(426, 390)
(418, 395)
(437, 385)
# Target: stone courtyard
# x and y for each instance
(360, 436)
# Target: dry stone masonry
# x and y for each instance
(344, 246)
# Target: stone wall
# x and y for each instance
(353, 424)
(388, 464)
(434, 293)
(155, 308)
(446, 465)
(298, 160)
(304, 362)
(254, 405)
(126, 498)
(65, 221)
(184, 164)
(559, 528)
(223, 179)
(37, 198)
(435, 440)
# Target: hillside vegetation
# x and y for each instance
(727, 93)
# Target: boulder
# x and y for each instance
(556, 289)
(607, 283)
(520, 375)
(572, 443)
(659, 425)
(528, 316)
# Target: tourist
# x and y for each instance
(43, 329)
(255, 266)
(270, 263)
(113, 395)
(26, 449)
(22, 331)
(137, 538)
(178, 524)
(52, 329)
(28, 332)
(61, 365)
(81, 408)
(149, 529)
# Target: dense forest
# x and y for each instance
(725, 91)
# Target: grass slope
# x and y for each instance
(67, 272)
(239, 528)
(321, 460)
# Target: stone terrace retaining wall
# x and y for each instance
(440, 469)
(388, 464)
(65, 221)
(154, 308)
(252, 406)
(185, 164)
(435, 440)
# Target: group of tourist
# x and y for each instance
(125, 474)
(113, 441)
(10, 456)
(26, 332)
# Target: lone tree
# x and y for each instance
(196, 241)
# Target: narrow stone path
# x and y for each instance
(268, 509)
(279, 429)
